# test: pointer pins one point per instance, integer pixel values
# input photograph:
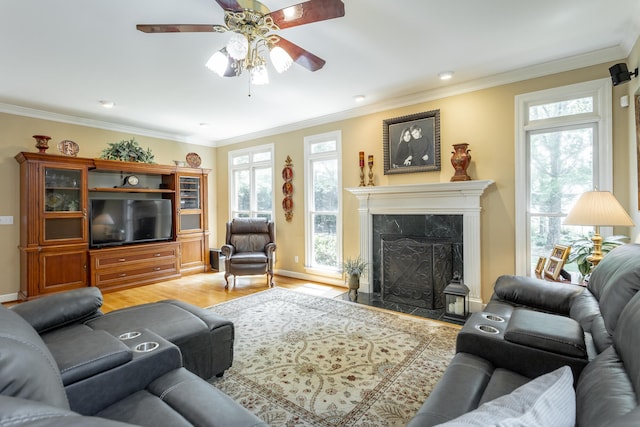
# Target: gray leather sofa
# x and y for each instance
(205, 339)
(530, 330)
(112, 382)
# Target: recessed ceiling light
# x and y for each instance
(107, 104)
(203, 125)
(358, 98)
(445, 75)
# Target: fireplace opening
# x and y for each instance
(415, 271)
(415, 257)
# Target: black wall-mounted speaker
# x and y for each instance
(620, 73)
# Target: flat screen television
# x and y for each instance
(125, 221)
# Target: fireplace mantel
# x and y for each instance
(446, 198)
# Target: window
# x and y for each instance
(563, 148)
(323, 202)
(251, 182)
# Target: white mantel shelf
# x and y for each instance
(443, 198)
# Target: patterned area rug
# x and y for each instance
(303, 360)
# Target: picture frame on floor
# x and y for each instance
(412, 143)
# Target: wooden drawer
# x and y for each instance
(116, 268)
(106, 260)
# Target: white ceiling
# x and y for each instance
(64, 56)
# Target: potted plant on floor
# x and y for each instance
(353, 269)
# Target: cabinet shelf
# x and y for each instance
(132, 190)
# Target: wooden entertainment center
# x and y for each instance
(56, 226)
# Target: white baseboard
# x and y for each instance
(9, 297)
(311, 277)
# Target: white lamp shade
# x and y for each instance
(598, 208)
(238, 46)
(259, 75)
(280, 59)
(218, 63)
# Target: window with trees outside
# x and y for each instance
(563, 149)
(323, 202)
(251, 182)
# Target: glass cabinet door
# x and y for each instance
(63, 204)
(190, 214)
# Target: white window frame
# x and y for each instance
(601, 116)
(308, 225)
(251, 166)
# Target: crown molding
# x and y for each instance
(100, 124)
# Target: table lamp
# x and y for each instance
(598, 208)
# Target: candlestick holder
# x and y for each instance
(370, 175)
(361, 176)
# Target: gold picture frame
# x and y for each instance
(540, 265)
(561, 252)
(556, 261)
(552, 270)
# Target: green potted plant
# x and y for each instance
(127, 151)
(353, 268)
(582, 248)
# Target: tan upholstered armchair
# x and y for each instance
(249, 249)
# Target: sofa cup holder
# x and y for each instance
(129, 335)
(146, 347)
(487, 329)
(493, 317)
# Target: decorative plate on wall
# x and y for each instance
(68, 148)
(193, 160)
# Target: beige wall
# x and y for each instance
(484, 119)
(16, 136)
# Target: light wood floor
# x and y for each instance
(207, 289)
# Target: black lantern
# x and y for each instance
(456, 298)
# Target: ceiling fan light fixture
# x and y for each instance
(218, 63)
(238, 46)
(280, 59)
(259, 75)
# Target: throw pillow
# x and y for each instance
(548, 400)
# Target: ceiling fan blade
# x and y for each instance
(307, 12)
(229, 4)
(181, 28)
(301, 56)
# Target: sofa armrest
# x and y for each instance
(536, 293)
(86, 354)
(61, 309)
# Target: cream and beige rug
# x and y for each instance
(303, 360)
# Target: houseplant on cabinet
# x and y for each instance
(127, 151)
(353, 269)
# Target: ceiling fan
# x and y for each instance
(253, 26)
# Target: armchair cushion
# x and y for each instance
(250, 242)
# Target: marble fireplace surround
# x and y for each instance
(442, 198)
